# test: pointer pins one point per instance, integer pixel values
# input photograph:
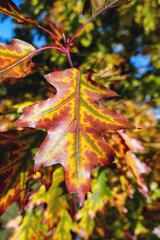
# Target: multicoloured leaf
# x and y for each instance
(127, 147)
(95, 203)
(31, 226)
(46, 176)
(17, 169)
(97, 5)
(75, 120)
(56, 199)
(100, 195)
(9, 8)
(65, 225)
(11, 54)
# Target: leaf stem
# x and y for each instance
(50, 33)
(102, 10)
(69, 57)
(106, 3)
(32, 53)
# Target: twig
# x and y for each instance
(102, 10)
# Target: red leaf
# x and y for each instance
(138, 168)
(75, 121)
(127, 147)
(17, 169)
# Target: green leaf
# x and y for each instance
(31, 226)
(101, 194)
(65, 225)
(95, 5)
(95, 203)
(56, 199)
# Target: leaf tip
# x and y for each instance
(80, 197)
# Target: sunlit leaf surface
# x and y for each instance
(75, 120)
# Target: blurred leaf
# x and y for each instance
(9, 8)
(95, 5)
(56, 199)
(16, 169)
(95, 203)
(65, 225)
(106, 76)
(136, 166)
(29, 227)
(56, 31)
(12, 53)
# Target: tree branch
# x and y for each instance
(102, 10)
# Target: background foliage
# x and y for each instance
(122, 46)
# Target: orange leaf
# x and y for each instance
(9, 8)
(11, 54)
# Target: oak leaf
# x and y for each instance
(9, 8)
(16, 169)
(94, 203)
(56, 199)
(64, 227)
(128, 147)
(75, 120)
(11, 54)
(30, 226)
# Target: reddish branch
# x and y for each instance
(102, 10)
(64, 50)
